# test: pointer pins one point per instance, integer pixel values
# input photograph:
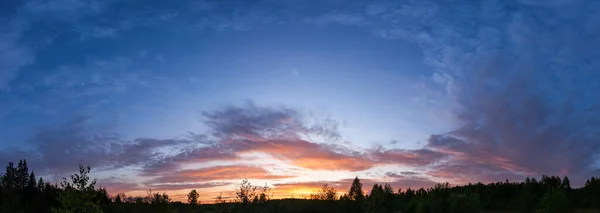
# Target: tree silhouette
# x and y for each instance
(327, 193)
(264, 194)
(390, 203)
(566, 184)
(79, 194)
(464, 203)
(555, 201)
(11, 200)
(193, 197)
(158, 198)
(40, 184)
(9, 179)
(375, 200)
(355, 196)
(20, 193)
(31, 184)
(356, 193)
(246, 193)
(118, 199)
(22, 176)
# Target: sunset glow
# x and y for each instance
(293, 94)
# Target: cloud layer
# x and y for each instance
(519, 78)
(279, 135)
(524, 87)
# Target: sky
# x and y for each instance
(200, 94)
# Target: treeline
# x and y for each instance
(21, 192)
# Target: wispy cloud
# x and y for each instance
(517, 75)
(54, 150)
(232, 172)
(235, 132)
(14, 55)
(199, 186)
(507, 76)
(69, 11)
(419, 157)
(25, 30)
(279, 132)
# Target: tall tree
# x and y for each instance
(389, 199)
(40, 184)
(356, 193)
(375, 201)
(118, 199)
(566, 183)
(22, 174)
(356, 197)
(9, 179)
(193, 197)
(31, 184)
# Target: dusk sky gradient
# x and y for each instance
(200, 94)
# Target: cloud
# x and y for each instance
(418, 157)
(519, 77)
(115, 187)
(172, 163)
(312, 155)
(203, 5)
(69, 11)
(14, 55)
(25, 29)
(260, 122)
(87, 32)
(280, 132)
(57, 150)
(409, 173)
(234, 132)
(231, 172)
(254, 122)
(295, 152)
(141, 151)
(97, 77)
(341, 18)
(168, 187)
(393, 175)
(95, 86)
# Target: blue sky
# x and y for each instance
(419, 91)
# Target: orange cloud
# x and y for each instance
(219, 173)
(307, 154)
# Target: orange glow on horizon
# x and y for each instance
(209, 196)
